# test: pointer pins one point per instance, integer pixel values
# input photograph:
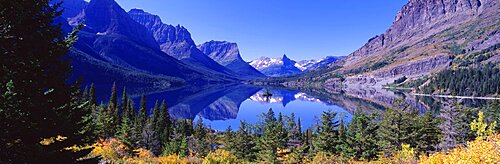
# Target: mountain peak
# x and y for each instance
(275, 66)
(105, 17)
(227, 54)
(176, 41)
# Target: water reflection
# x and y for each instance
(224, 105)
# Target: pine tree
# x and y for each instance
(243, 143)
(200, 134)
(92, 93)
(397, 127)
(269, 141)
(428, 133)
(294, 134)
(143, 113)
(140, 122)
(327, 132)
(281, 132)
(361, 137)
(165, 124)
(113, 100)
(124, 104)
(126, 130)
(340, 140)
(33, 79)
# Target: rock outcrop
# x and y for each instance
(417, 20)
(228, 55)
(176, 41)
(426, 36)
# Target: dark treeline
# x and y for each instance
(156, 132)
(480, 81)
(280, 138)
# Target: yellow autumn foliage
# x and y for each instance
(220, 156)
(481, 128)
(477, 151)
(110, 149)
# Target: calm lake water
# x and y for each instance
(221, 106)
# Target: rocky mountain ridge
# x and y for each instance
(275, 67)
(426, 36)
(176, 41)
(227, 54)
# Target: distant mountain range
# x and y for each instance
(284, 66)
(426, 37)
(176, 41)
(136, 48)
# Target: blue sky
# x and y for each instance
(299, 28)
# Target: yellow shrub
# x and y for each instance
(477, 151)
(220, 156)
(481, 128)
(110, 150)
(324, 157)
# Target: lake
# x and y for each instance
(221, 106)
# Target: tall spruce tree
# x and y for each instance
(164, 124)
(294, 134)
(269, 141)
(92, 96)
(327, 132)
(397, 127)
(36, 101)
(200, 144)
(428, 133)
(244, 146)
(361, 137)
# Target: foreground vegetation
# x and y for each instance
(398, 135)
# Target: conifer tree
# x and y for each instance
(200, 133)
(397, 127)
(294, 134)
(124, 104)
(113, 112)
(92, 93)
(126, 130)
(164, 124)
(142, 115)
(327, 132)
(243, 143)
(361, 137)
(281, 132)
(428, 133)
(149, 139)
(33, 80)
(269, 140)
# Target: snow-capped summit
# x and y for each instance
(275, 66)
(306, 65)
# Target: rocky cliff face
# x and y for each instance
(419, 19)
(228, 55)
(106, 17)
(114, 48)
(427, 36)
(176, 41)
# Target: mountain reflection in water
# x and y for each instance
(221, 106)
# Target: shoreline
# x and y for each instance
(456, 97)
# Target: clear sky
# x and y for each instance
(302, 29)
